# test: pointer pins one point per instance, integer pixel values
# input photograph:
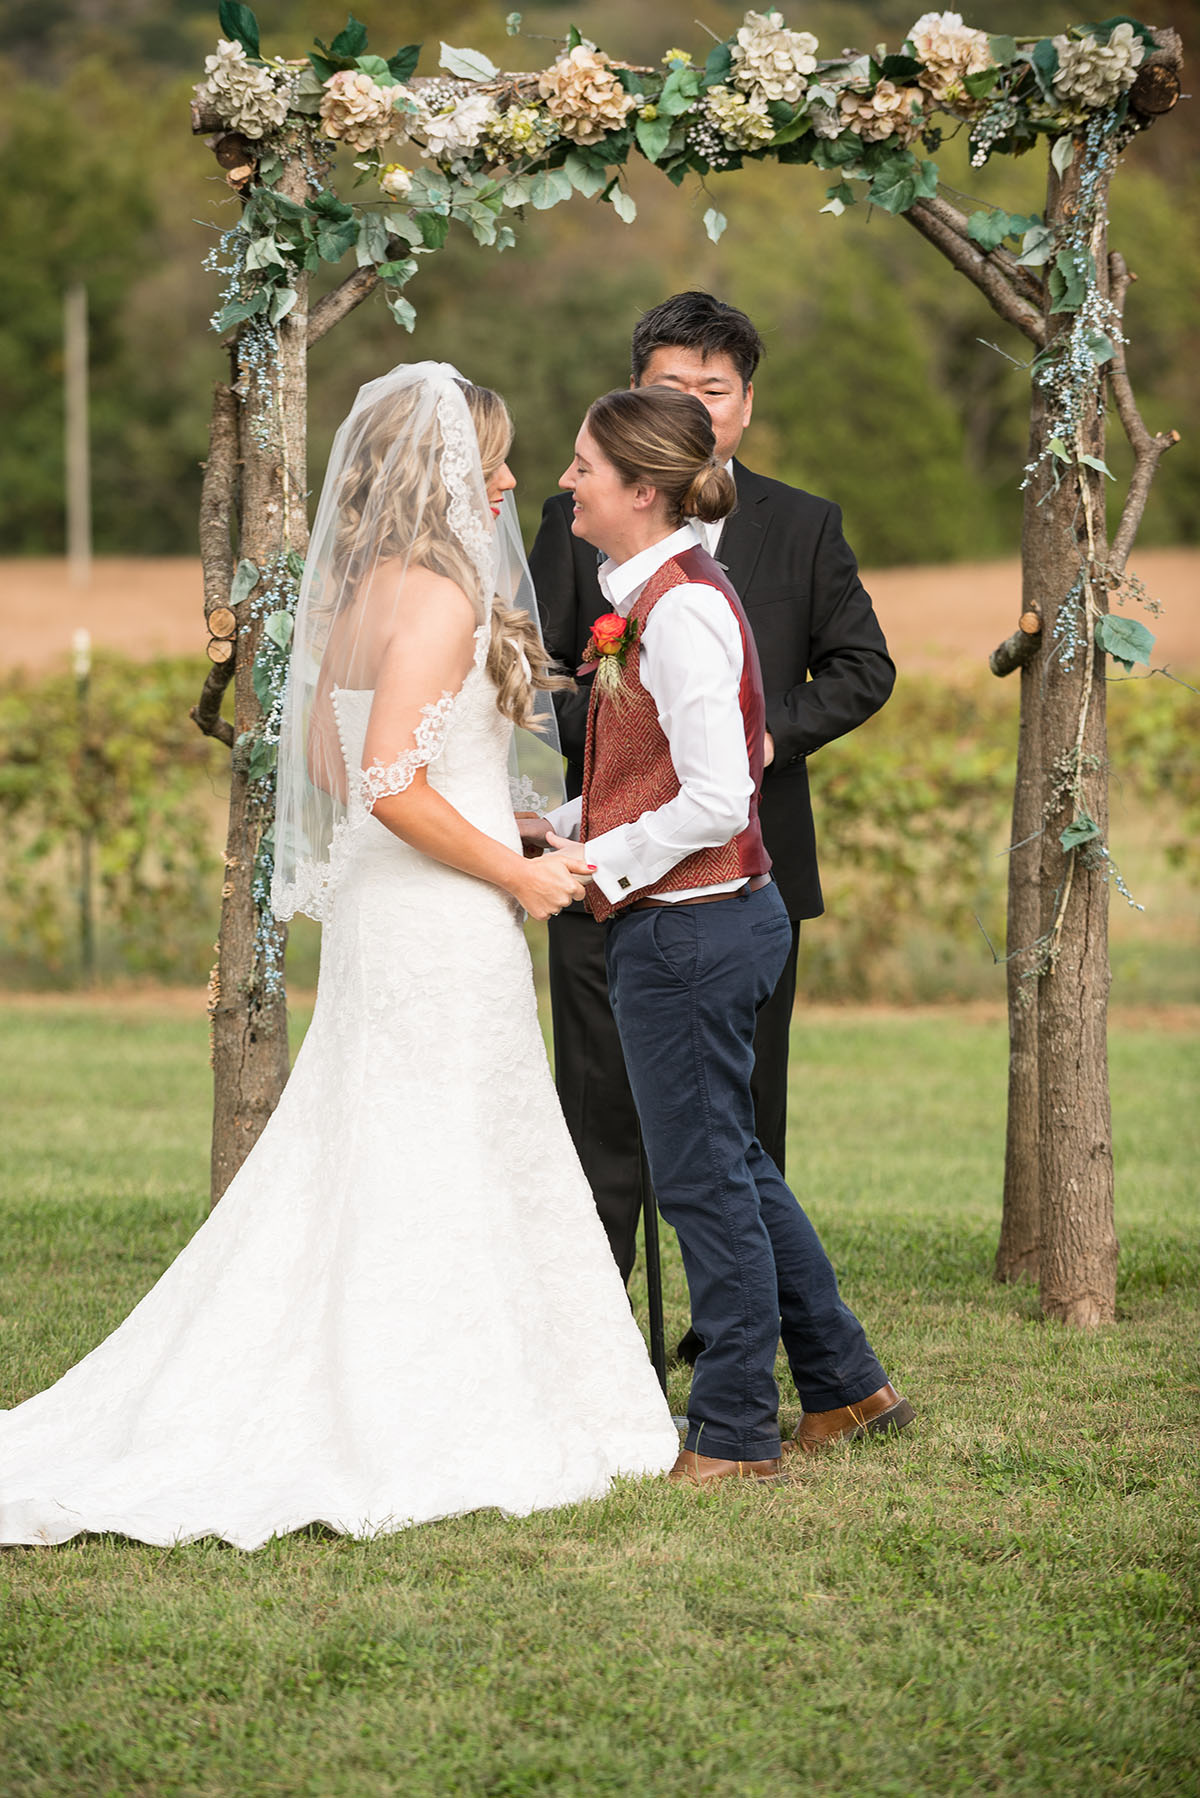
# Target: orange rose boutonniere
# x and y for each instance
(611, 639)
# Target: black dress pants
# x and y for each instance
(593, 1087)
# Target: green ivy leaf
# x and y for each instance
(517, 191)
(981, 82)
(585, 177)
(378, 68)
(548, 187)
(351, 41)
(372, 245)
(789, 133)
(1043, 60)
(335, 238)
(245, 580)
(263, 678)
(279, 627)
(240, 24)
(434, 228)
(397, 272)
(237, 311)
(653, 136)
(901, 68)
(404, 62)
(623, 204)
(1126, 640)
(263, 757)
(902, 181)
(717, 68)
(989, 227)
(574, 38)
(327, 205)
(1101, 346)
(1080, 830)
(1004, 49)
(679, 91)
(1068, 283)
(295, 564)
(1037, 246)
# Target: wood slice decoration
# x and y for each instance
(220, 649)
(1030, 623)
(221, 622)
(1156, 88)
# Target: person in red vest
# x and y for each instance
(697, 935)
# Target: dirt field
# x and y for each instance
(943, 618)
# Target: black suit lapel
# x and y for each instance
(745, 529)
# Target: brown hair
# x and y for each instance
(664, 438)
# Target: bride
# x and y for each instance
(380, 1322)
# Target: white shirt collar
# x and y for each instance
(622, 582)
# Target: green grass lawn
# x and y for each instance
(1002, 1601)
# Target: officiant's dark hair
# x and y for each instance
(664, 438)
(696, 321)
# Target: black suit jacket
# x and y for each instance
(824, 659)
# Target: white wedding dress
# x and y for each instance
(404, 1307)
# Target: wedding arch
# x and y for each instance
(485, 149)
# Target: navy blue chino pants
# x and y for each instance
(686, 982)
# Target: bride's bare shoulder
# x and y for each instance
(417, 598)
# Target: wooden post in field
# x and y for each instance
(78, 459)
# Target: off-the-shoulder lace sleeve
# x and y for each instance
(381, 780)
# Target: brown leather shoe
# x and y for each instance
(692, 1469)
(872, 1416)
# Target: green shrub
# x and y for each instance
(122, 764)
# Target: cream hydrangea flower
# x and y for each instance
(241, 93)
(454, 133)
(950, 52)
(742, 122)
(889, 110)
(1095, 74)
(583, 96)
(772, 61)
(357, 112)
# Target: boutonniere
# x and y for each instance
(610, 642)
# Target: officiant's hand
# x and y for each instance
(534, 829)
(551, 881)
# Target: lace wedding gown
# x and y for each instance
(404, 1307)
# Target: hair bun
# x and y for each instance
(712, 494)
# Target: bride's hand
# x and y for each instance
(553, 881)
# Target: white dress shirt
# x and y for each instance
(690, 663)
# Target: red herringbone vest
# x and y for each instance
(627, 764)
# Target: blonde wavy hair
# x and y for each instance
(517, 660)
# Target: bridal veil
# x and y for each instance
(405, 488)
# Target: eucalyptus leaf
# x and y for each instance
(282, 301)
(279, 627)
(467, 65)
(623, 204)
(1062, 154)
(506, 238)
(262, 676)
(238, 311)
(517, 191)
(1101, 346)
(1098, 465)
(295, 564)
(245, 580)
(240, 24)
(1058, 448)
(399, 224)
(981, 82)
(402, 310)
(715, 223)
(836, 206)
(1080, 830)
(1126, 640)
